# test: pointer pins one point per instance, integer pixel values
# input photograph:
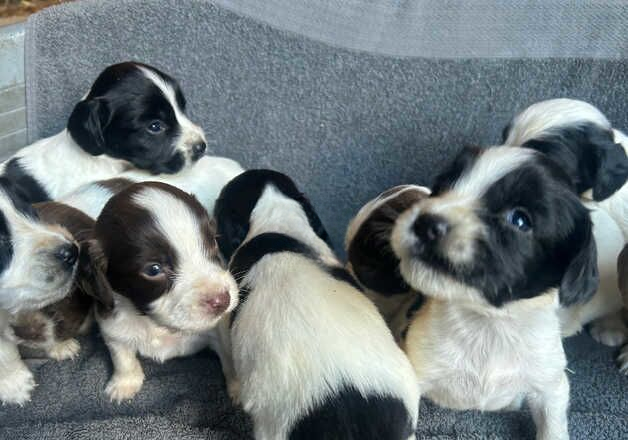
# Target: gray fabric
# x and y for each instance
(344, 124)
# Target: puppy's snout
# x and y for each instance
(67, 254)
(198, 150)
(218, 302)
(430, 228)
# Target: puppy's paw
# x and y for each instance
(609, 331)
(67, 349)
(16, 386)
(622, 359)
(123, 387)
(233, 389)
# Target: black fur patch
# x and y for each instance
(342, 274)
(348, 415)
(589, 155)
(24, 184)
(238, 199)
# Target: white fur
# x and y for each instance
(301, 333)
(16, 381)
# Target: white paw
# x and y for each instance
(123, 387)
(17, 385)
(233, 389)
(67, 349)
(623, 360)
(609, 332)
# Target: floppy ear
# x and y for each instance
(612, 169)
(581, 278)
(87, 124)
(92, 276)
(231, 229)
(314, 220)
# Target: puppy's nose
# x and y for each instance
(198, 150)
(430, 228)
(217, 303)
(67, 254)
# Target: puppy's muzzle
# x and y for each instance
(216, 303)
(198, 150)
(67, 255)
(430, 230)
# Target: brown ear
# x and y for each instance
(92, 278)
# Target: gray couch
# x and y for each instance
(349, 97)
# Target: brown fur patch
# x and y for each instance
(115, 185)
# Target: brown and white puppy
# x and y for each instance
(502, 241)
(158, 250)
(38, 264)
(583, 142)
(55, 327)
(371, 259)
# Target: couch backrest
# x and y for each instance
(347, 119)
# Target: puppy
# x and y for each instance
(55, 327)
(38, 264)
(157, 246)
(371, 259)
(622, 268)
(502, 241)
(312, 355)
(580, 139)
(133, 116)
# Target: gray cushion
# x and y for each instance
(345, 124)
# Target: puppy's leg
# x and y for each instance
(16, 381)
(220, 342)
(610, 330)
(548, 405)
(62, 350)
(128, 376)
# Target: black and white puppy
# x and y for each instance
(582, 141)
(500, 243)
(38, 264)
(313, 357)
(159, 253)
(133, 116)
(370, 257)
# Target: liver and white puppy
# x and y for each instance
(370, 257)
(55, 327)
(133, 116)
(502, 240)
(313, 356)
(582, 141)
(158, 249)
(37, 268)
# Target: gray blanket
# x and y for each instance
(348, 111)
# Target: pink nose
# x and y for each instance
(217, 303)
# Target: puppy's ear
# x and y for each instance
(581, 278)
(314, 220)
(231, 229)
(612, 169)
(92, 277)
(87, 123)
(463, 160)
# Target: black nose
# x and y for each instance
(198, 150)
(67, 254)
(430, 228)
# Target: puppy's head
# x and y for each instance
(579, 138)
(243, 194)
(136, 113)
(369, 253)
(37, 261)
(160, 249)
(502, 224)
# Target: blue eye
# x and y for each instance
(155, 127)
(152, 270)
(519, 219)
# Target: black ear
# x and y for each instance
(581, 279)
(314, 220)
(92, 276)
(612, 169)
(463, 160)
(231, 229)
(87, 124)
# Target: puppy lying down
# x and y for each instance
(312, 357)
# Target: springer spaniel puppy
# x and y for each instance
(38, 265)
(582, 141)
(133, 116)
(371, 259)
(313, 357)
(157, 246)
(500, 244)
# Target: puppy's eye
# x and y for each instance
(520, 219)
(156, 127)
(153, 270)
